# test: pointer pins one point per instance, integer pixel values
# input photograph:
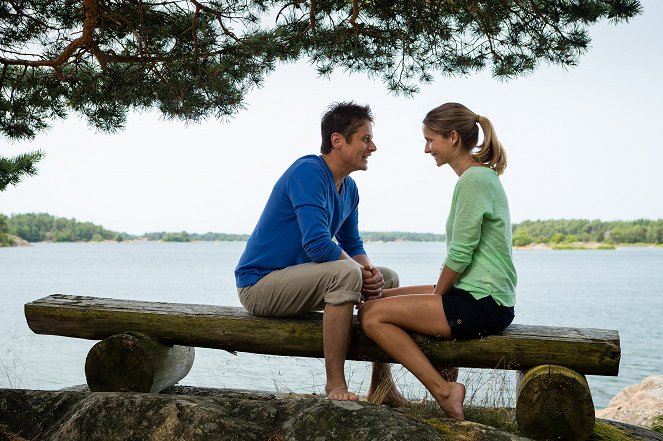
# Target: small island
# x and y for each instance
(574, 234)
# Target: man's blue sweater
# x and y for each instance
(302, 215)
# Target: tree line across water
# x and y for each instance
(42, 227)
(567, 231)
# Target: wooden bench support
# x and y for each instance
(131, 361)
(554, 402)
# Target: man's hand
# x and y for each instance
(372, 283)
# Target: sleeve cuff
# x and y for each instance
(455, 265)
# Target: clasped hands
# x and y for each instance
(372, 283)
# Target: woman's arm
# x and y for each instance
(446, 281)
(404, 290)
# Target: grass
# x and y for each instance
(489, 400)
(583, 246)
(657, 424)
(13, 362)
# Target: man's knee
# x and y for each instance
(345, 286)
(350, 271)
(390, 277)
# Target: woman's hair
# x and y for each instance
(454, 116)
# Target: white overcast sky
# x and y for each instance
(584, 142)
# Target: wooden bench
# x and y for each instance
(553, 396)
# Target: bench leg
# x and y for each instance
(134, 362)
(554, 402)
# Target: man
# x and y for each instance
(292, 266)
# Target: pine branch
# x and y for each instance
(12, 170)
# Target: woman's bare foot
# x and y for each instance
(341, 393)
(452, 402)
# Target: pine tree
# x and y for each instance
(194, 59)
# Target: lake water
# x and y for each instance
(612, 289)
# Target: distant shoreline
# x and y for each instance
(585, 246)
(18, 242)
(559, 234)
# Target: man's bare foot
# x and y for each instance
(452, 404)
(387, 394)
(341, 393)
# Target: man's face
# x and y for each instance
(355, 152)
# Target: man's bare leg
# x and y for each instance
(383, 390)
(336, 323)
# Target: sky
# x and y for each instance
(582, 142)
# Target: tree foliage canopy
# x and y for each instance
(197, 58)
(194, 58)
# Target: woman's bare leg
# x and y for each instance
(385, 321)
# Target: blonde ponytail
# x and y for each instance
(490, 151)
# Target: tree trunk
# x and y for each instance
(132, 361)
(554, 402)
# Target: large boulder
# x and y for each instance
(186, 413)
(638, 404)
(74, 415)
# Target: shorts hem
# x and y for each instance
(342, 297)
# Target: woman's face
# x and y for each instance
(441, 148)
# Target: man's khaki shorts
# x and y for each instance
(308, 287)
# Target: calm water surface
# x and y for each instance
(620, 289)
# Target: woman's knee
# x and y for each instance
(369, 316)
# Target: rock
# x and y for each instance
(74, 415)
(638, 404)
(17, 241)
(188, 413)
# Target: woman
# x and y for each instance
(475, 291)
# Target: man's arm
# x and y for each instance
(307, 190)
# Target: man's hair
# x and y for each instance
(344, 118)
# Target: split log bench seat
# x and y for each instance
(147, 346)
